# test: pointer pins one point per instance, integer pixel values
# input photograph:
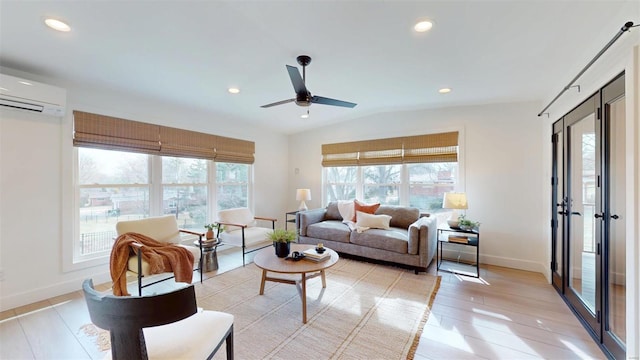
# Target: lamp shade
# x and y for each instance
(303, 194)
(454, 200)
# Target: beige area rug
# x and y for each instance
(367, 311)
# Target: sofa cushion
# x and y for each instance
(373, 221)
(365, 208)
(394, 239)
(401, 216)
(333, 230)
(252, 236)
(332, 212)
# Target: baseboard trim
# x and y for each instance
(512, 263)
(47, 292)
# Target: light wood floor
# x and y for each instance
(506, 314)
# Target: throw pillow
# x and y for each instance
(372, 221)
(346, 209)
(365, 208)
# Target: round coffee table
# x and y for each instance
(267, 260)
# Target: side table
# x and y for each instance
(209, 259)
(447, 235)
(287, 219)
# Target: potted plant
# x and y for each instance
(466, 224)
(281, 241)
(210, 228)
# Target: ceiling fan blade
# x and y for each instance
(327, 101)
(278, 103)
(296, 80)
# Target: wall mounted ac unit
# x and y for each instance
(27, 95)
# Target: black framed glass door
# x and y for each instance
(582, 128)
(613, 220)
(588, 222)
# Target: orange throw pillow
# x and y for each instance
(365, 208)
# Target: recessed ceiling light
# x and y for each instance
(305, 116)
(234, 90)
(444, 90)
(423, 26)
(57, 25)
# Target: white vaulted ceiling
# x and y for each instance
(191, 52)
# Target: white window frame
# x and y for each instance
(71, 191)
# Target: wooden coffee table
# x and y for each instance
(267, 260)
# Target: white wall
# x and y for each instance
(502, 170)
(36, 185)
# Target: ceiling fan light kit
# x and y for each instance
(303, 96)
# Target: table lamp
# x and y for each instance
(303, 195)
(455, 201)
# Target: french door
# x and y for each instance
(588, 240)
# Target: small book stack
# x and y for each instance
(313, 255)
(459, 239)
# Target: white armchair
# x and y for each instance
(240, 229)
(165, 326)
(163, 229)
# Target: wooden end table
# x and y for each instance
(267, 260)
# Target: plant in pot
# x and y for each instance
(210, 228)
(466, 224)
(281, 241)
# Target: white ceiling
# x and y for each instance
(190, 52)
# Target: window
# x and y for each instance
(382, 184)
(113, 185)
(232, 181)
(341, 182)
(428, 183)
(423, 186)
(184, 190)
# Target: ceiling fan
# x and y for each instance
(303, 96)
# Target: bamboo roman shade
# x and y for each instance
(185, 143)
(234, 150)
(105, 132)
(431, 148)
(442, 147)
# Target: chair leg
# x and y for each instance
(229, 342)
(139, 272)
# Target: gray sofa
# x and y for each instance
(410, 240)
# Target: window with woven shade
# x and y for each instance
(129, 169)
(409, 170)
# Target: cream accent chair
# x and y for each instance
(165, 326)
(163, 229)
(240, 230)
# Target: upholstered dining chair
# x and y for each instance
(165, 326)
(240, 229)
(163, 229)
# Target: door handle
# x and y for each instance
(598, 216)
(615, 217)
(562, 212)
(576, 213)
